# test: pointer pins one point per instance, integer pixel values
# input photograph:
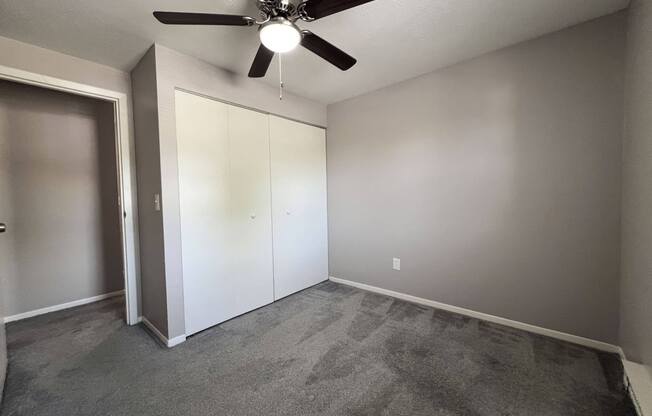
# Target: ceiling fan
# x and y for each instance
(277, 29)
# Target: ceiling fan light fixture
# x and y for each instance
(280, 35)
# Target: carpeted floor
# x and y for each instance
(329, 350)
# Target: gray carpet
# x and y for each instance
(329, 350)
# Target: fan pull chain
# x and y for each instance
(280, 75)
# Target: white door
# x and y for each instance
(298, 160)
(250, 239)
(224, 189)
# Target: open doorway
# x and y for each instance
(62, 202)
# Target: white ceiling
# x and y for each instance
(393, 40)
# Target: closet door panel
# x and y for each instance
(224, 186)
(298, 162)
(202, 148)
(251, 218)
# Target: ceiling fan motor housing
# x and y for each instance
(272, 8)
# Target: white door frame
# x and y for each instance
(125, 166)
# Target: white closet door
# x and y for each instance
(250, 240)
(225, 203)
(298, 158)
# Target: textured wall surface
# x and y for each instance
(61, 198)
(496, 181)
(636, 299)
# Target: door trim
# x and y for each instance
(125, 167)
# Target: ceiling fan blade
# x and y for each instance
(317, 9)
(327, 51)
(261, 62)
(179, 18)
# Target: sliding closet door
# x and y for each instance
(298, 157)
(225, 202)
(250, 221)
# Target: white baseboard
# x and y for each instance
(587, 342)
(638, 379)
(167, 342)
(62, 306)
(176, 341)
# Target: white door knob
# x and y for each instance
(252, 216)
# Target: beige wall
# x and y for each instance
(496, 181)
(60, 205)
(636, 288)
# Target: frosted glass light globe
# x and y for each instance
(280, 35)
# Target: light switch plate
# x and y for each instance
(157, 202)
(396, 264)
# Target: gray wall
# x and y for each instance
(496, 181)
(61, 201)
(636, 289)
(152, 263)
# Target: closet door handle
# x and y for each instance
(252, 216)
(3, 227)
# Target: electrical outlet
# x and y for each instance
(396, 264)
